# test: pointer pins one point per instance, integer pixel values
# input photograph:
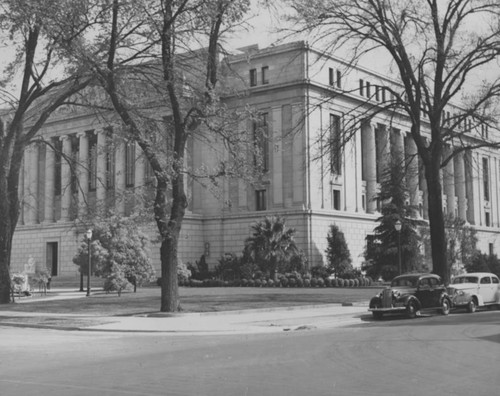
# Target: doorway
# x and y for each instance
(52, 258)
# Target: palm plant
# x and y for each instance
(271, 245)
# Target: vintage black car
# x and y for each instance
(410, 294)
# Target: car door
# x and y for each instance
(487, 289)
(424, 293)
(435, 292)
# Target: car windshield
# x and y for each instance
(405, 281)
(465, 279)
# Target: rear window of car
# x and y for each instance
(495, 280)
(485, 280)
(407, 281)
(465, 279)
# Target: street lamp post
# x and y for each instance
(398, 226)
(89, 239)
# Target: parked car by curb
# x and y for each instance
(411, 293)
(477, 289)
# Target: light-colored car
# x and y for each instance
(476, 289)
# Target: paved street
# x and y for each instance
(454, 355)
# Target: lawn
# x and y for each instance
(147, 300)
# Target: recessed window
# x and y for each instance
(486, 180)
(336, 199)
(377, 93)
(265, 75)
(331, 78)
(260, 200)
(339, 79)
(253, 77)
(335, 144)
(487, 219)
(368, 90)
(361, 87)
(130, 164)
(261, 142)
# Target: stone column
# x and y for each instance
(397, 146)
(411, 156)
(31, 184)
(368, 150)
(50, 165)
(469, 188)
(120, 177)
(65, 178)
(460, 187)
(83, 174)
(449, 183)
(101, 169)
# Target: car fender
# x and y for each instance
(479, 299)
(407, 299)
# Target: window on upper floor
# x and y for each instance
(261, 142)
(361, 87)
(334, 78)
(260, 200)
(130, 164)
(58, 146)
(265, 75)
(336, 205)
(486, 180)
(334, 143)
(92, 155)
(253, 77)
(487, 219)
(368, 89)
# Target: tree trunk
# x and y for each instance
(436, 222)
(169, 287)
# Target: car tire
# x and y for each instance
(411, 310)
(471, 306)
(445, 306)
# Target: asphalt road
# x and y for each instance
(454, 355)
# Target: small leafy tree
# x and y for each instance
(482, 262)
(337, 252)
(461, 241)
(120, 254)
(271, 245)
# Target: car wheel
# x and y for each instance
(411, 310)
(471, 306)
(445, 306)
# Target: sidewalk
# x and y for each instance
(270, 320)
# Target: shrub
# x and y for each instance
(335, 282)
(244, 282)
(284, 281)
(251, 283)
(328, 282)
(314, 282)
(351, 283)
(321, 282)
(270, 283)
(264, 282)
(258, 283)
(292, 282)
(307, 282)
(356, 282)
(319, 271)
(300, 282)
(340, 282)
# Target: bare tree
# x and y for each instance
(158, 62)
(437, 48)
(29, 94)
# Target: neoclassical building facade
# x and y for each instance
(304, 100)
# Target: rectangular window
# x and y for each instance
(377, 93)
(491, 250)
(361, 87)
(92, 155)
(334, 143)
(383, 94)
(486, 180)
(130, 164)
(253, 77)
(331, 78)
(57, 166)
(261, 143)
(368, 90)
(336, 199)
(110, 160)
(260, 200)
(265, 75)
(339, 79)
(487, 219)
(75, 148)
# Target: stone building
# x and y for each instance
(304, 101)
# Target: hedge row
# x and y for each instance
(282, 282)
